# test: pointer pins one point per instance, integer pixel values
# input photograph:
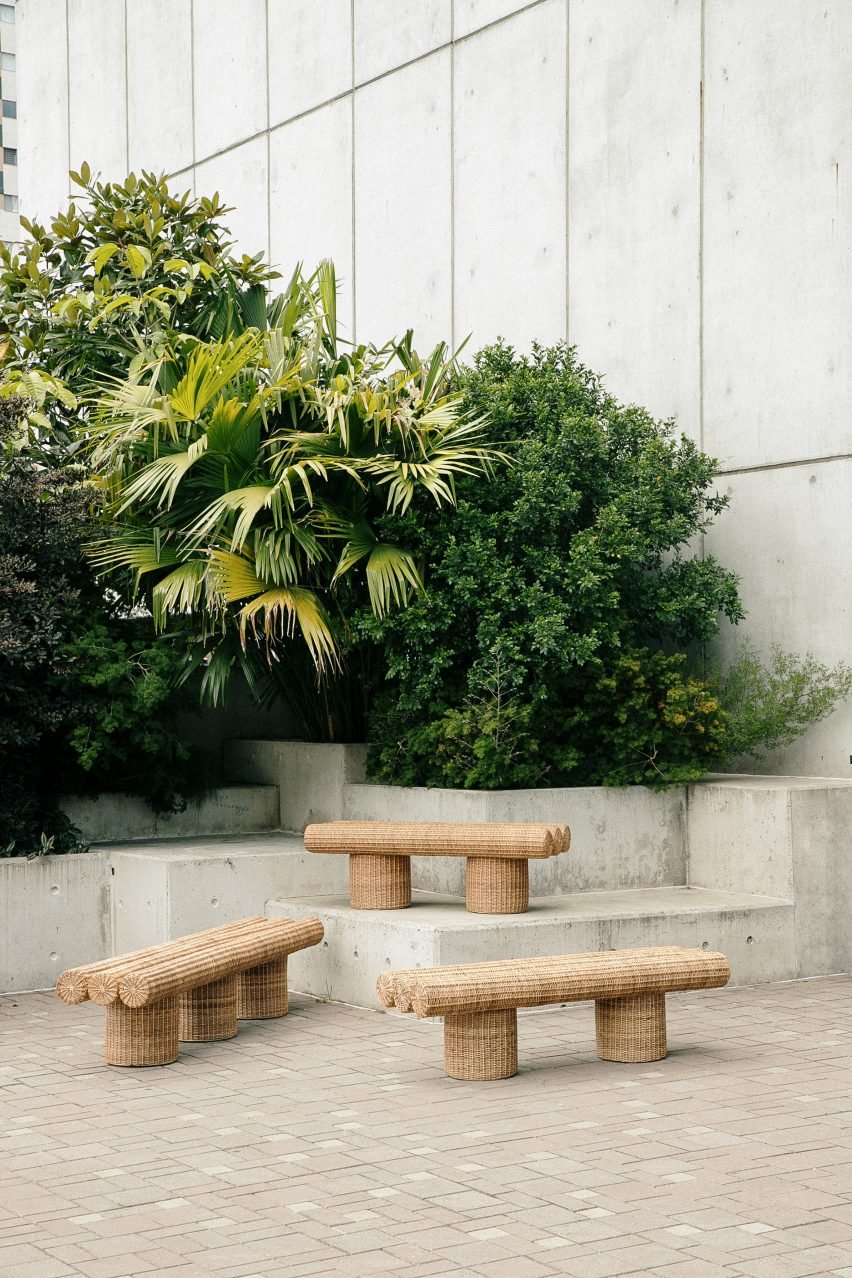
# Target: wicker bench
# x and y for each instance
(479, 1001)
(193, 989)
(497, 877)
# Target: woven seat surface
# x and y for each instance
(72, 985)
(534, 982)
(439, 838)
(150, 980)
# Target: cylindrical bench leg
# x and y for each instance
(497, 885)
(481, 1046)
(379, 882)
(631, 1029)
(142, 1035)
(262, 992)
(209, 1012)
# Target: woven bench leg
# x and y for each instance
(262, 992)
(141, 1035)
(481, 1046)
(497, 885)
(209, 1012)
(631, 1029)
(379, 882)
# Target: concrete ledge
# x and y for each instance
(756, 933)
(310, 777)
(620, 838)
(105, 818)
(54, 913)
(163, 890)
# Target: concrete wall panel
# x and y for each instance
(159, 84)
(510, 179)
(311, 197)
(470, 15)
(97, 87)
(389, 33)
(403, 219)
(778, 214)
(634, 136)
(310, 55)
(43, 107)
(781, 535)
(229, 59)
(241, 178)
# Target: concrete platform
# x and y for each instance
(756, 933)
(166, 889)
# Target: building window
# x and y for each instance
(10, 203)
(10, 154)
(10, 110)
(7, 61)
(7, 13)
(1, 181)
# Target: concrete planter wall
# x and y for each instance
(310, 777)
(54, 913)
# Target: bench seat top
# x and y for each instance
(563, 978)
(521, 840)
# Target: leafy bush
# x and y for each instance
(75, 690)
(562, 602)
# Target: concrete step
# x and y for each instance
(230, 809)
(168, 888)
(756, 933)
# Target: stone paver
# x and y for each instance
(330, 1142)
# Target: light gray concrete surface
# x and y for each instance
(54, 912)
(310, 777)
(230, 809)
(620, 838)
(756, 933)
(169, 889)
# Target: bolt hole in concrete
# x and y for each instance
(355, 952)
(749, 940)
(705, 945)
(54, 891)
(215, 902)
(325, 945)
(54, 956)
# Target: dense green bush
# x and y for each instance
(87, 702)
(563, 599)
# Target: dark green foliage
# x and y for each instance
(77, 687)
(561, 596)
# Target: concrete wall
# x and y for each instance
(664, 182)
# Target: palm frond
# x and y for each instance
(179, 592)
(280, 611)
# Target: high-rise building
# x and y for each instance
(9, 225)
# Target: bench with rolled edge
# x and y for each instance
(192, 989)
(497, 876)
(479, 1001)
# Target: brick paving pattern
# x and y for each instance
(331, 1143)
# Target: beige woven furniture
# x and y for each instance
(192, 989)
(479, 1001)
(497, 880)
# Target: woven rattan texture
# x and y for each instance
(533, 982)
(209, 1012)
(481, 1046)
(262, 992)
(439, 838)
(154, 979)
(379, 882)
(497, 885)
(631, 1029)
(143, 1036)
(73, 985)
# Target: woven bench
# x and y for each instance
(479, 1001)
(497, 876)
(192, 989)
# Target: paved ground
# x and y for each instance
(331, 1143)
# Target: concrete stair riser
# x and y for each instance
(755, 933)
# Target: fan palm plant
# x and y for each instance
(244, 477)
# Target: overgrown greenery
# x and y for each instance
(87, 700)
(563, 602)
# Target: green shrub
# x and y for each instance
(561, 598)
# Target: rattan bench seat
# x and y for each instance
(498, 856)
(479, 1001)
